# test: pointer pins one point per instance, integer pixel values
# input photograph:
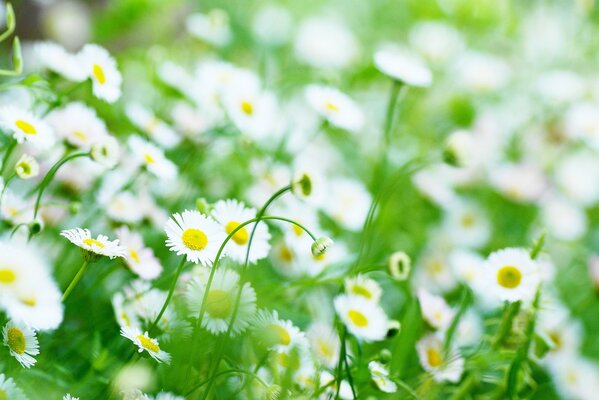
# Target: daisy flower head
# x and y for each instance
(195, 236)
(363, 318)
(146, 343)
(106, 151)
(220, 301)
(212, 27)
(324, 343)
(8, 389)
(146, 121)
(367, 288)
(511, 275)
(55, 58)
(433, 359)
(21, 342)
(348, 203)
(94, 248)
(253, 112)
(335, 107)
(380, 377)
(139, 258)
(276, 334)
(78, 125)
(27, 167)
(101, 68)
(26, 127)
(152, 158)
(435, 310)
(230, 214)
(403, 66)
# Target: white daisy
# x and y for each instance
(101, 68)
(194, 235)
(144, 342)
(124, 207)
(403, 66)
(360, 285)
(435, 310)
(55, 58)
(78, 125)
(212, 27)
(221, 301)
(150, 124)
(26, 127)
(139, 258)
(276, 334)
(22, 343)
(326, 379)
(363, 318)
(16, 209)
(152, 158)
(106, 151)
(99, 246)
(69, 397)
(254, 112)
(511, 275)
(27, 167)
(230, 214)
(335, 107)
(380, 377)
(348, 203)
(8, 389)
(324, 343)
(443, 367)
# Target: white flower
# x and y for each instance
(101, 68)
(276, 334)
(22, 343)
(443, 367)
(511, 275)
(152, 158)
(348, 203)
(221, 301)
(139, 258)
(26, 127)
(272, 24)
(106, 151)
(435, 310)
(212, 27)
(154, 127)
(563, 218)
(363, 318)
(335, 107)
(194, 235)
(436, 41)
(230, 214)
(467, 224)
(324, 343)
(27, 167)
(144, 342)
(9, 390)
(380, 377)
(518, 182)
(360, 285)
(403, 66)
(100, 246)
(125, 207)
(78, 124)
(55, 58)
(254, 112)
(69, 397)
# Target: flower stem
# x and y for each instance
(168, 297)
(509, 313)
(75, 280)
(342, 351)
(12, 145)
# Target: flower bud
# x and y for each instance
(385, 356)
(106, 152)
(27, 167)
(202, 205)
(74, 207)
(399, 266)
(36, 226)
(302, 185)
(458, 149)
(321, 245)
(393, 327)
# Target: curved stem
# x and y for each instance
(168, 297)
(9, 150)
(342, 351)
(75, 280)
(10, 178)
(51, 174)
(229, 371)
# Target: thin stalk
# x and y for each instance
(12, 145)
(168, 297)
(406, 387)
(509, 313)
(75, 280)
(10, 178)
(342, 351)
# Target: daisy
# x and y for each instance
(144, 119)
(324, 343)
(348, 203)
(139, 258)
(467, 224)
(152, 158)
(254, 112)
(194, 235)
(276, 334)
(101, 68)
(27, 167)
(212, 27)
(434, 360)
(326, 379)
(69, 397)
(8, 389)
(15, 209)
(435, 310)
(230, 214)
(144, 342)
(22, 343)
(360, 285)
(124, 207)
(124, 312)
(380, 377)
(78, 125)
(55, 58)
(221, 301)
(100, 246)
(363, 318)
(106, 151)
(511, 275)
(403, 66)
(26, 127)
(335, 107)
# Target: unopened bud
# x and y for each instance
(458, 149)
(321, 245)
(399, 266)
(385, 356)
(302, 185)
(393, 327)
(202, 205)
(74, 207)
(36, 226)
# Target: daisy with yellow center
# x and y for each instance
(8, 389)
(360, 285)
(276, 334)
(26, 127)
(252, 110)
(380, 377)
(443, 366)
(220, 301)
(139, 258)
(435, 310)
(363, 318)
(21, 342)
(78, 125)
(335, 107)
(324, 343)
(27, 167)
(102, 70)
(511, 275)
(145, 343)
(152, 158)
(230, 214)
(194, 235)
(100, 246)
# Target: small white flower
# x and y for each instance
(150, 124)
(380, 377)
(146, 343)
(363, 318)
(443, 367)
(139, 258)
(152, 158)
(10, 390)
(27, 167)
(403, 66)
(324, 343)
(26, 127)
(22, 343)
(100, 246)
(511, 275)
(69, 397)
(101, 68)
(212, 27)
(335, 107)
(106, 151)
(78, 125)
(276, 334)
(435, 310)
(367, 288)
(55, 58)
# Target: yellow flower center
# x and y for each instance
(93, 242)
(357, 318)
(148, 344)
(468, 220)
(247, 107)
(509, 277)
(297, 230)
(434, 357)
(24, 168)
(7, 276)
(331, 107)
(3, 395)
(29, 301)
(16, 340)
(149, 159)
(282, 335)
(285, 254)
(99, 74)
(80, 135)
(362, 291)
(134, 255)
(194, 239)
(325, 349)
(26, 127)
(218, 303)
(240, 237)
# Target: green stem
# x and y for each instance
(10, 178)
(465, 301)
(465, 388)
(509, 313)
(75, 280)
(12, 145)
(168, 297)
(50, 175)
(406, 387)
(342, 351)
